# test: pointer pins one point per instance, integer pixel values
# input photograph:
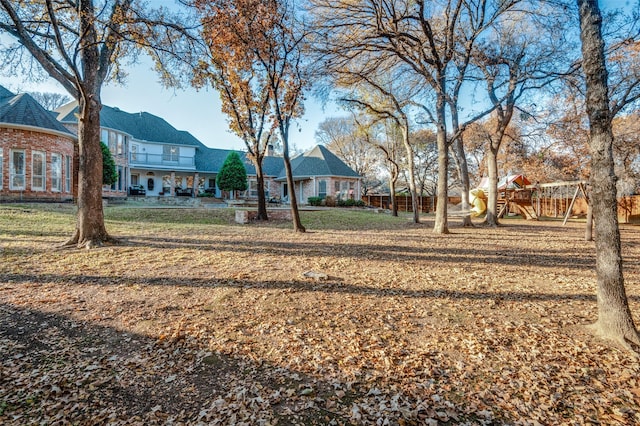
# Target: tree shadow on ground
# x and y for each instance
(56, 369)
(332, 286)
(470, 255)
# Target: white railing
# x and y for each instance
(142, 158)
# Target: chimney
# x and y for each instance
(270, 150)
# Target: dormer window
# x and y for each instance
(170, 153)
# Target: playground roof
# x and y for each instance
(507, 182)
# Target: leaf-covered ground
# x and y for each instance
(195, 320)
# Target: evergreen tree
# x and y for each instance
(109, 171)
(233, 175)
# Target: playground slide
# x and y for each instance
(476, 197)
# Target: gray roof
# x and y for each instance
(5, 93)
(141, 125)
(319, 161)
(211, 160)
(23, 110)
(147, 127)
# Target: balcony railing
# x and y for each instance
(142, 158)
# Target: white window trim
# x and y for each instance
(68, 165)
(42, 176)
(12, 175)
(58, 187)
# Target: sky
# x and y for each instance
(198, 112)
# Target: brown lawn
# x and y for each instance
(195, 320)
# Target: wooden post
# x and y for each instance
(573, 200)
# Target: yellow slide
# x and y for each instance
(476, 198)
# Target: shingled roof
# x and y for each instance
(23, 110)
(319, 161)
(212, 159)
(141, 125)
(147, 127)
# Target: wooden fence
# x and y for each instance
(628, 207)
(426, 204)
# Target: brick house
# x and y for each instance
(163, 161)
(36, 152)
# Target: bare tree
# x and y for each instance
(281, 54)
(50, 100)
(614, 316)
(82, 45)
(426, 161)
(345, 138)
(383, 100)
(426, 38)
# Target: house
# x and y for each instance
(152, 158)
(151, 154)
(36, 151)
(320, 173)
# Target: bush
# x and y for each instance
(109, 171)
(350, 203)
(315, 201)
(329, 201)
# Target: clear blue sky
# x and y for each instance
(198, 112)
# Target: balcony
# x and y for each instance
(160, 160)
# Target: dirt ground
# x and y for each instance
(218, 324)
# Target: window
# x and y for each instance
(1, 168)
(104, 137)
(120, 144)
(170, 153)
(56, 172)
(112, 142)
(135, 180)
(120, 178)
(38, 161)
(322, 189)
(336, 186)
(212, 182)
(16, 169)
(67, 173)
(134, 152)
(253, 188)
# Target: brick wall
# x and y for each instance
(30, 141)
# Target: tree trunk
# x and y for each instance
(492, 198)
(441, 226)
(588, 230)
(614, 317)
(293, 203)
(392, 193)
(463, 172)
(412, 174)
(262, 202)
(90, 230)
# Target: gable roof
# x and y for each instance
(5, 93)
(142, 125)
(23, 110)
(319, 161)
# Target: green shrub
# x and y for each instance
(232, 175)
(109, 171)
(350, 203)
(315, 201)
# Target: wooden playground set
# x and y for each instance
(555, 200)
